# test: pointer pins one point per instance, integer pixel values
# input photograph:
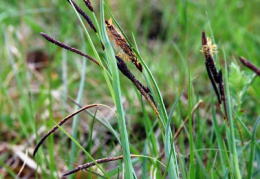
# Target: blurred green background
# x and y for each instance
(36, 76)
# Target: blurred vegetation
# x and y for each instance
(168, 36)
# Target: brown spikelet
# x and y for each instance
(122, 44)
(89, 5)
(222, 93)
(250, 65)
(208, 50)
(62, 45)
(84, 15)
(98, 161)
(141, 88)
(215, 76)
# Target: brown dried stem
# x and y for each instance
(177, 133)
(60, 123)
(62, 45)
(250, 65)
(90, 164)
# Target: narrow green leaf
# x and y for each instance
(82, 148)
(117, 93)
(252, 150)
(192, 167)
(231, 124)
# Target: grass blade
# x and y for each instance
(192, 168)
(117, 94)
(82, 148)
(78, 100)
(231, 125)
(252, 149)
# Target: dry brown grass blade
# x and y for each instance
(60, 123)
(177, 133)
(90, 164)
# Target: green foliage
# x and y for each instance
(239, 82)
(166, 37)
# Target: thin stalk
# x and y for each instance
(219, 137)
(78, 100)
(82, 148)
(192, 168)
(252, 150)
(117, 98)
(231, 125)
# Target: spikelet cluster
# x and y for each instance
(209, 49)
(126, 51)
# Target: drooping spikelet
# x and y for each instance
(250, 65)
(121, 43)
(84, 15)
(89, 5)
(145, 91)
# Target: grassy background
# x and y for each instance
(168, 36)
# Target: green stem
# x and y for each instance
(231, 126)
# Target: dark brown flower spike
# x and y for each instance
(215, 76)
(84, 15)
(90, 164)
(60, 123)
(208, 49)
(122, 44)
(222, 91)
(213, 83)
(141, 88)
(89, 5)
(250, 65)
(62, 45)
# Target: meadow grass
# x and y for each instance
(166, 38)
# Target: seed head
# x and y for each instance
(208, 47)
(120, 42)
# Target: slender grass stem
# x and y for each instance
(234, 155)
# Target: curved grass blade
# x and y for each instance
(60, 123)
